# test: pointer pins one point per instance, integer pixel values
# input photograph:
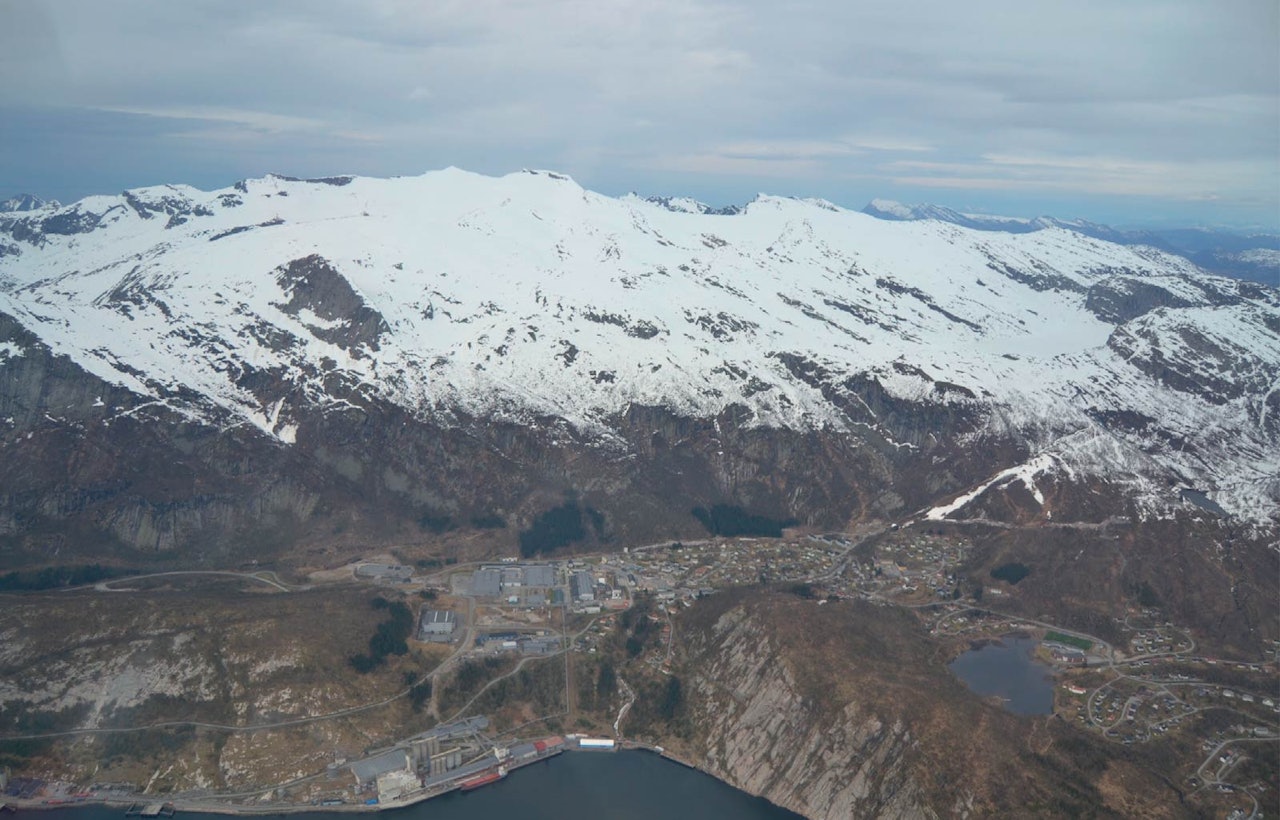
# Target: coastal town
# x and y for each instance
(1154, 684)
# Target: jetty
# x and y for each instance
(150, 810)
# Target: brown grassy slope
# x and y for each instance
(1205, 575)
(212, 653)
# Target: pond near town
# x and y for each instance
(1006, 669)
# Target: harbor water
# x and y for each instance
(630, 785)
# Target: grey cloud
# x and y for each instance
(814, 97)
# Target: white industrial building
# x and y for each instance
(437, 625)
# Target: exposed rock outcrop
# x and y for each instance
(765, 737)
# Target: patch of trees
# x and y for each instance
(640, 609)
(803, 591)
(437, 524)
(559, 527)
(660, 703)
(539, 684)
(16, 753)
(597, 521)
(23, 717)
(489, 521)
(419, 691)
(470, 678)
(595, 684)
(728, 520)
(474, 674)
(419, 694)
(637, 626)
(672, 699)
(606, 681)
(149, 743)
(1011, 573)
(390, 638)
(1144, 593)
(55, 577)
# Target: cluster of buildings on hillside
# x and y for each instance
(527, 585)
(684, 571)
(1157, 641)
(538, 585)
(912, 562)
(687, 570)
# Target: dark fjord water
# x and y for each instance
(1006, 669)
(619, 786)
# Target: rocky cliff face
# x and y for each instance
(766, 738)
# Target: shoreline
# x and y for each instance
(199, 806)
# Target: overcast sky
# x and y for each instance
(1129, 111)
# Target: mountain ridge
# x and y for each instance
(26, 202)
(1245, 255)
(528, 301)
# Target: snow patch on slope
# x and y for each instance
(1026, 473)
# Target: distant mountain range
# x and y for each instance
(1253, 256)
(26, 202)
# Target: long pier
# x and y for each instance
(150, 810)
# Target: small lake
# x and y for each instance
(1005, 668)
(616, 785)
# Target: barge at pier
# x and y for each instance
(484, 779)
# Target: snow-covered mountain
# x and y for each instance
(273, 307)
(26, 202)
(1253, 256)
(683, 205)
(890, 210)
(894, 211)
